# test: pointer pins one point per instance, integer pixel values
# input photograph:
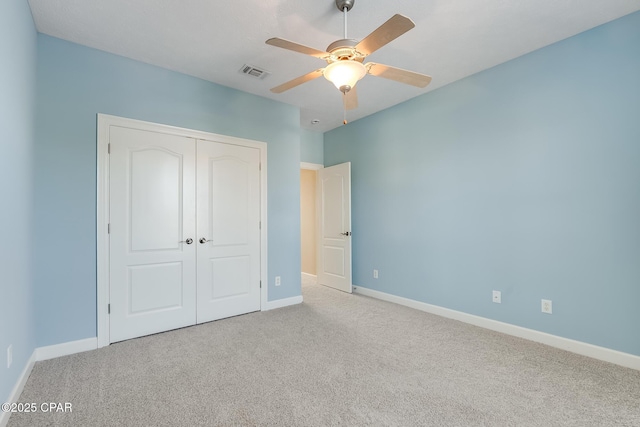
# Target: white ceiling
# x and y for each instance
(212, 39)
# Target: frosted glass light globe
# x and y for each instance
(344, 74)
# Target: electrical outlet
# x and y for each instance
(9, 356)
(497, 297)
(277, 280)
(547, 306)
(375, 274)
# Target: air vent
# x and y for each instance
(254, 72)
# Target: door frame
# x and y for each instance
(105, 121)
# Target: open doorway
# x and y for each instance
(308, 221)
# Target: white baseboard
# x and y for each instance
(284, 302)
(17, 389)
(65, 349)
(45, 353)
(579, 347)
(308, 276)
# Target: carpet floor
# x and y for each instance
(334, 360)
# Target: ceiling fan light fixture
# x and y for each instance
(344, 74)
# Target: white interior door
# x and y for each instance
(228, 223)
(334, 251)
(152, 213)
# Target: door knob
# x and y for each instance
(188, 241)
(204, 240)
(346, 233)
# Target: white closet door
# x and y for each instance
(228, 221)
(152, 212)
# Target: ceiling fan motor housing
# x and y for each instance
(344, 49)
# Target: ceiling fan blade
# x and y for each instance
(398, 74)
(297, 81)
(396, 26)
(352, 99)
(296, 47)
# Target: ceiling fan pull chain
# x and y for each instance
(344, 106)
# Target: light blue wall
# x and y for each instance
(311, 147)
(74, 84)
(524, 178)
(17, 110)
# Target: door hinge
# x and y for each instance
(260, 225)
(109, 148)
(259, 166)
(109, 228)
(260, 284)
(108, 308)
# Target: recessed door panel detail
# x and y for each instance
(155, 198)
(155, 287)
(230, 276)
(229, 200)
(334, 260)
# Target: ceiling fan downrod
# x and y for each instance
(345, 6)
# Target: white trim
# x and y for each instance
(102, 237)
(66, 348)
(311, 277)
(579, 347)
(104, 123)
(17, 389)
(284, 302)
(311, 166)
(45, 353)
(264, 290)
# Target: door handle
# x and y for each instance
(188, 241)
(204, 240)
(347, 233)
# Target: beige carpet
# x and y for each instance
(335, 360)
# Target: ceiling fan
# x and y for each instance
(345, 58)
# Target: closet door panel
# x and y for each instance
(228, 223)
(152, 214)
